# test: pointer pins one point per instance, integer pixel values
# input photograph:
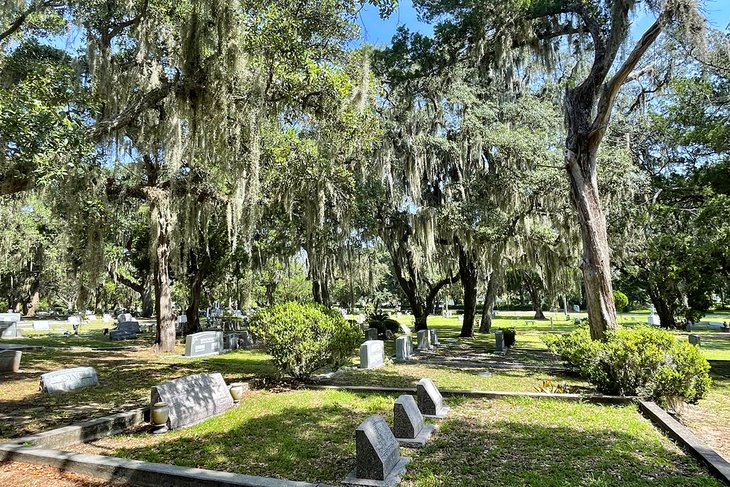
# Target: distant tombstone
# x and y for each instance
(433, 337)
(126, 330)
(204, 343)
(653, 319)
(694, 339)
(372, 354)
(371, 334)
(430, 401)
(424, 340)
(9, 329)
(69, 379)
(403, 348)
(74, 320)
(246, 339)
(231, 341)
(499, 341)
(10, 360)
(106, 318)
(408, 426)
(193, 398)
(181, 319)
(129, 327)
(124, 317)
(576, 308)
(460, 318)
(378, 459)
(405, 329)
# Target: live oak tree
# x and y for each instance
(499, 35)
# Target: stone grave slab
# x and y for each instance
(403, 348)
(424, 340)
(41, 325)
(405, 329)
(246, 339)
(372, 354)
(193, 398)
(430, 401)
(371, 334)
(9, 329)
(204, 343)
(433, 337)
(69, 379)
(124, 317)
(408, 426)
(10, 360)
(694, 339)
(499, 341)
(378, 459)
(11, 317)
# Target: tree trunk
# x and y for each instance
(581, 166)
(489, 298)
(664, 307)
(533, 288)
(165, 340)
(147, 297)
(270, 290)
(468, 277)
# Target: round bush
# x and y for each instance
(304, 337)
(621, 300)
(641, 361)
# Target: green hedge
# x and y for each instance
(304, 337)
(643, 361)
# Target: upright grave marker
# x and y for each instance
(10, 360)
(378, 459)
(408, 425)
(424, 340)
(433, 337)
(371, 334)
(403, 348)
(694, 339)
(204, 343)
(372, 354)
(499, 341)
(430, 401)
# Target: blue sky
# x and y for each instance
(379, 31)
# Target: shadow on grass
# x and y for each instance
(316, 444)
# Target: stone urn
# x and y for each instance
(236, 389)
(159, 414)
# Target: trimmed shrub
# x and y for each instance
(382, 322)
(509, 335)
(621, 300)
(642, 361)
(304, 337)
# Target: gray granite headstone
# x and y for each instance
(430, 401)
(499, 341)
(424, 340)
(371, 334)
(408, 425)
(129, 327)
(372, 354)
(9, 329)
(69, 379)
(10, 360)
(378, 459)
(434, 338)
(403, 347)
(41, 325)
(694, 339)
(193, 398)
(231, 341)
(204, 343)
(124, 317)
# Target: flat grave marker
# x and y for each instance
(65, 380)
(193, 398)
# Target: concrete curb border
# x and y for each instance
(716, 464)
(594, 398)
(135, 472)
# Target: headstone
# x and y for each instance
(231, 341)
(434, 338)
(129, 326)
(193, 398)
(424, 340)
(653, 319)
(372, 354)
(124, 317)
(74, 320)
(371, 334)
(69, 379)
(181, 319)
(499, 341)
(126, 330)
(405, 329)
(576, 308)
(378, 459)
(694, 339)
(408, 426)
(106, 318)
(41, 325)
(247, 339)
(204, 343)
(9, 329)
(10, 360)
(430, 401)
(403, 347)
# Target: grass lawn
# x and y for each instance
(309, 435)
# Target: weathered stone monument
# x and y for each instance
(372, 354)
(371, 334)
(9, 325)
(430, 401)
(694, 339)
(193, 398)
(204, 343)
(499, 341)
(127, 330)
(408, 425)
(424, 340)
(434, 338)
(378, 459)
(124, 317)
(69, 379)
(405, 329)
(403, 348)
(10, 360)
(653, 319)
